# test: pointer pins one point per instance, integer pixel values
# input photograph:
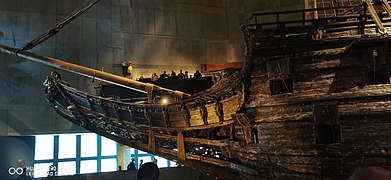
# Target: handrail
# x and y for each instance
(303, 12)
(359, 17)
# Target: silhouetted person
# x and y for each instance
(173, 74)
(148, 171)
(164, 75)
(186, 75)
(197, 74)
(181, 75)
(132, 165)
(141, 163)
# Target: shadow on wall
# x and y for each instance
(177, 173)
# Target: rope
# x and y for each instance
(282, 76)
(13, 36)
(57, 27)
(374, 54)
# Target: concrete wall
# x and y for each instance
(156, 35)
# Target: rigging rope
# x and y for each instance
(57, 27)
(96, 65)
(281, 74)
(13, 36)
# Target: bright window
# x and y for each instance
(109, 165)
(66, 168)
(88, 166)
(88, 145)
(161, 162)
(44, 146)
(142, 152)
(87, 150)
(109, 147)
(139, 155)
(173, 164)
(41, 169)
(67, 146)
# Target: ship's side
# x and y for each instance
(318, 101)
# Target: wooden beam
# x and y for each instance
(181, 146)
(242, 119)
(220, 66)
(151, 141)
(247, 135)
(311, 4)
(375, 17)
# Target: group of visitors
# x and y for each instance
(147, 171)
(127, 70)
(174, 75)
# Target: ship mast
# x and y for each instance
(148, 88)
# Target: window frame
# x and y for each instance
(99, 157)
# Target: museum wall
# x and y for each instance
(155, 35)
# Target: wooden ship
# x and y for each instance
(312, 101)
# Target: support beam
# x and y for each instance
(151, 141)
(181, 146)
(247, 135)
(247, 125)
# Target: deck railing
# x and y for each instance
(346, 18)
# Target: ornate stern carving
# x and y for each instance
(245, 74)
(166, 119)
(219, 110)
(148, 116)
(185, 114)
(49, 85)
(203, 112)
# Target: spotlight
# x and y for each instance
(164, 101)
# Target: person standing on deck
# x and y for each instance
(127, 69)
